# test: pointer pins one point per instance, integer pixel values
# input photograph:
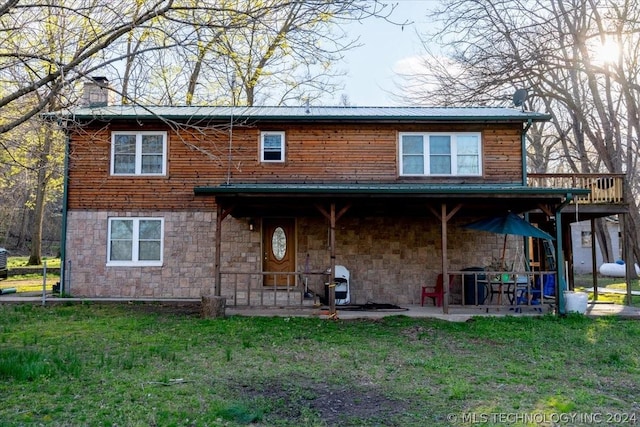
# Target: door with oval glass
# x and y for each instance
(278, 244)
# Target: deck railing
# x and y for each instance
(503, 289)
(243, 288)
(483, 289)
(605, 188)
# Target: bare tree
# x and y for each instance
(155, 52)
(557, 51)
(276, 53)
(26, 51)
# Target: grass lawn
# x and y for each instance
(30, 282)
(21, 261)
(583, 282)
(151, 365)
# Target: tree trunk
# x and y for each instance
(213, 307)
(23, 235)
(601, 234)
(35, 257)
(632, 221)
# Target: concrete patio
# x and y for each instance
(456, 313)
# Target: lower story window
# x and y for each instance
(135, 241)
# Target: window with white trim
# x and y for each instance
(441, 154)
(138, 153)
(135, 241)
(272, 146)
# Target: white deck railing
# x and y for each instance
(605, 188)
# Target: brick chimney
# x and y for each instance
(95, 92)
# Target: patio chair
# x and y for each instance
(437, 295)
(528, 294)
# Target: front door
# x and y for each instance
(278, 243)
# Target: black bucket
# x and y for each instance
(474, 293)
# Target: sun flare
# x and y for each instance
(607, 52)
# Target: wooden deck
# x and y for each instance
(605, 188)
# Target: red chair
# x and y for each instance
(437, 295)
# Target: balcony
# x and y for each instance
(605, 188)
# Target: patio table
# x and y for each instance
(501, 286)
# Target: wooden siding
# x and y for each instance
(314, 153)
(502, 155)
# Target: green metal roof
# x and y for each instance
(399, 189)
(312, 113)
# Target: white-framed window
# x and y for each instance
(138, 153)
(135, 241)
(441, 154)
(272, 147)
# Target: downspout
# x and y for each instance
(523, 141)
(63, 240)
(562, 285)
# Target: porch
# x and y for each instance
(475, 290)
(545, 194)
(403, 229)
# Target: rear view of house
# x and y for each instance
(259, 204)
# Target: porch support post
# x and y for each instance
(332, 254)
(333, 217)
(444, 219)
(445, 273)
(627, 254)
(562, 286)
(594, 260)
(218, 276)
(561, 282)
(220, 215)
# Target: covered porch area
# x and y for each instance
(393, 238)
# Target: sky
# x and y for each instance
(386, 49)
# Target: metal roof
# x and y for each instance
(400, 189)
(312, 113)
(382, 198)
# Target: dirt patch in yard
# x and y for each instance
(174, 309)
(335, 404)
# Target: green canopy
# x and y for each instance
(509, 224)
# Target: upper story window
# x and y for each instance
(440, 154)
(135, 242)
(138, 153)
(272, 146)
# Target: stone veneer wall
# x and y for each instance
(389, 259)
(188, 257)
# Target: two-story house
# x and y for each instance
(257, 204)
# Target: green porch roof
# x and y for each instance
(388, 189)
(248, 199)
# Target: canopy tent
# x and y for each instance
(509, 224)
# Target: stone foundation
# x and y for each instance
(389, 259)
